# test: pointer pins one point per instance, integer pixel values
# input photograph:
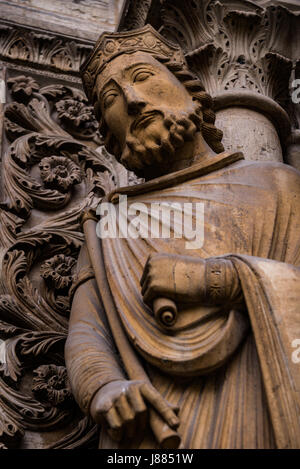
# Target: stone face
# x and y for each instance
(250, 132)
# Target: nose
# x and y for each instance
(135, 103)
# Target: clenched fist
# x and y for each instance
(187, 279)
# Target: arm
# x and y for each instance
(91, 357)
(97, 379)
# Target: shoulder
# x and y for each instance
(276, 175)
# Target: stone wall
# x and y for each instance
(84, 19)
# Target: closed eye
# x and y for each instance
(109, 98)
(142, 75)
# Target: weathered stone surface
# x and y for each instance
(293, 153)
(250, 132)
(291, 4)
(81, 18)
(55, 166)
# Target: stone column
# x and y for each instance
(244, 56)
(245, 53)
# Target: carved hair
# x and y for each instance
(211, 134)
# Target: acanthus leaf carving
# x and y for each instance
(42, 50)
(234, 45)
(50, 158)
(85, 435)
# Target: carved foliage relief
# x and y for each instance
(234, 45)
(41, 49)
(53, 167)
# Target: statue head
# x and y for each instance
(148, 103)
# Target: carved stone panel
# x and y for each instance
(53, 167)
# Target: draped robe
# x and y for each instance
(230, 371)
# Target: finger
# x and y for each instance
(127, 415)
(113, 419)
(191, 130)
(139, 407)
(114, 423)
(160, 404)
(136, 400)
(145, 272)
(124, 409)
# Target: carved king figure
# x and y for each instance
(221, 373)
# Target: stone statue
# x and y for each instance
(202, 338)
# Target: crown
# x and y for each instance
(110, 45)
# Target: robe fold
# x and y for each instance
(230, 371)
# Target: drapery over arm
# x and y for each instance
(91, 357)
(272, 293)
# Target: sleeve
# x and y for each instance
(91, 357)
(272, 294)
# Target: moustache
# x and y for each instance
(151, 150)
(145, 118)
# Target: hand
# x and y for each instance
(172, 276)
(122, 407)
(186, 279)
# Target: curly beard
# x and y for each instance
(154, 137)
